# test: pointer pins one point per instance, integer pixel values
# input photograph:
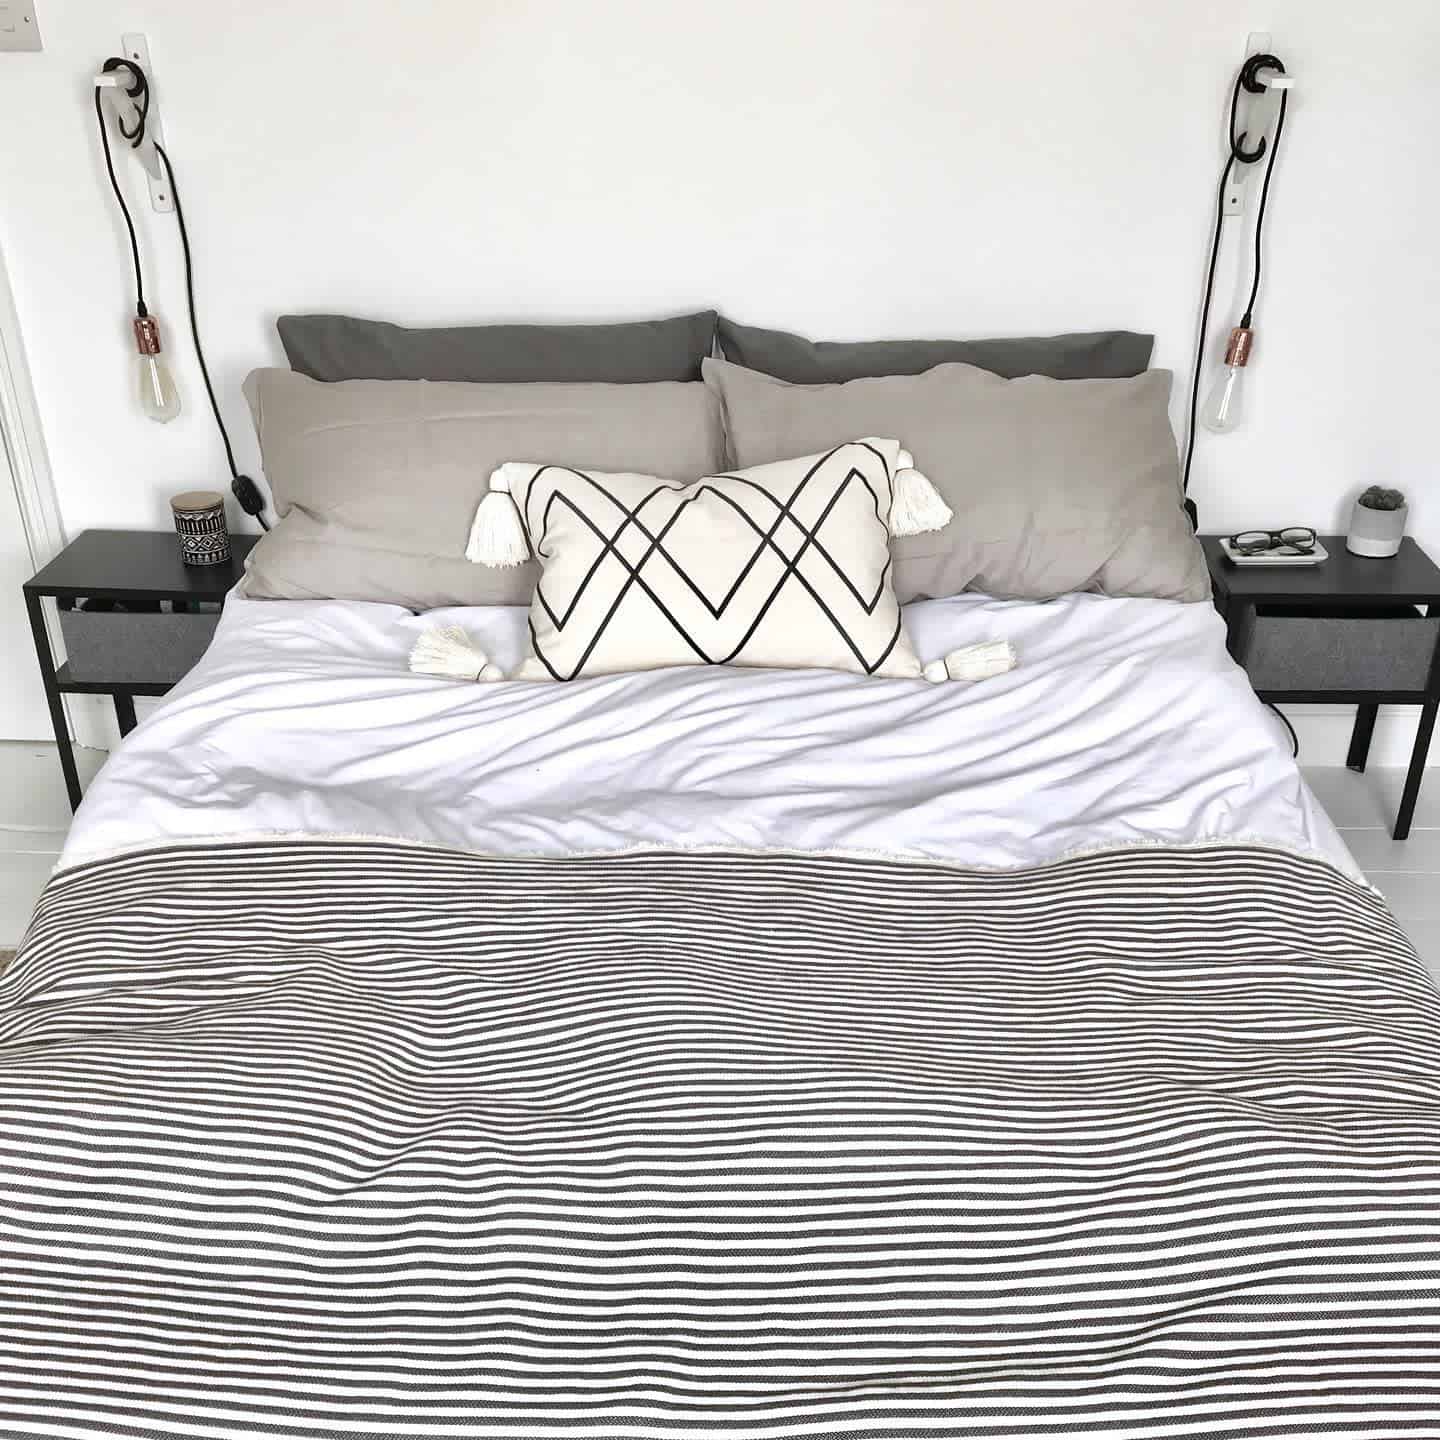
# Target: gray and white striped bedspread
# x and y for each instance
(347, 1139)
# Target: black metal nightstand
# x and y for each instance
(1351, 629)
(129, 644)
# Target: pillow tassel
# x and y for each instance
(497, 538)
(973, 662)
(448, 651)
(917, 506)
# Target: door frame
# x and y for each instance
(22, 445)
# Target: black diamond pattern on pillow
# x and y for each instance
(650, 544)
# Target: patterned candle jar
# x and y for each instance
(200, 524)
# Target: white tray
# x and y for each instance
(1270, 559)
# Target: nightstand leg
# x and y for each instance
(124, 712)
(52, 698)
(1360, 736)
(1417, 769)
(1235, 613)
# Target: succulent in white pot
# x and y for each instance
(1377, 523)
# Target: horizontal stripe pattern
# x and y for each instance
(359, 1139)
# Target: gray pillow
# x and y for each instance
(1056, 485)
(339, 347)
(1105, 355)
(376, 482)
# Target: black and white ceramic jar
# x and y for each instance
(200, 524)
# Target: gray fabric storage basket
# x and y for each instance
(115, 646)
(1287, 648)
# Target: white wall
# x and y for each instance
(849, 168)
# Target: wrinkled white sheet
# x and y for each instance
(1125, 723)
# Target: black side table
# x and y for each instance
(158, 615)
(1352, 629)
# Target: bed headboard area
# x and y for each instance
(830, 169)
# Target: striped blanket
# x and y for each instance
(356, 1139)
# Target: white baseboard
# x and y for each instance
(1324, 732)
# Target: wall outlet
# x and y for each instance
(1238, 186)
(19, 27)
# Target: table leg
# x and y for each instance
(52, 698)
(1360, 736)
(1417, 769)
(124, 712)
(1236, 612)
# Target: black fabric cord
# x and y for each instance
(246, 492)
(1285, 721)
(1238, 152)
(124, 208)
(1205, 319)
(1260, 211)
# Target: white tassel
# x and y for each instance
(447, 650)
(917, 506)
(973, 662)
(497, 538)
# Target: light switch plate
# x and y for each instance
(19, 27)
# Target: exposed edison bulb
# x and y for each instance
(159, 398)
(1225, 406)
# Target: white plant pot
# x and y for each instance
(1376, 532)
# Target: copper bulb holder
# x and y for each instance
(1237, 351)
(147, 335)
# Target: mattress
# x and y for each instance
(716, 1053)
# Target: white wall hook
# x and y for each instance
(115, 98)
(135, 48)
(1255, 117)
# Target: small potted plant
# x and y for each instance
(1377, 523)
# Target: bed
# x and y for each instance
(749, 1053)
(794, 1048)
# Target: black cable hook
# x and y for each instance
(1250, 71)
(1252, 84)
(138, 91)
(1244, 156)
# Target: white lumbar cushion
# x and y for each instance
(784, 565)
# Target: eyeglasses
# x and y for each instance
(1295, 540)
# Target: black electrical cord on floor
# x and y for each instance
(1285, 721)
(1247, 79)
(245, 490)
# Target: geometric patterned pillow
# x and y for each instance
(784, 565)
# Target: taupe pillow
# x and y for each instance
(342, 347)
(1101, 354)
(1056, 485)
(376, 481)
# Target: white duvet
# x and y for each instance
(1124, 723)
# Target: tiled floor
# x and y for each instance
(1407, 872)
(34, 817)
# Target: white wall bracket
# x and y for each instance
(135, 47)
(1251, 108)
